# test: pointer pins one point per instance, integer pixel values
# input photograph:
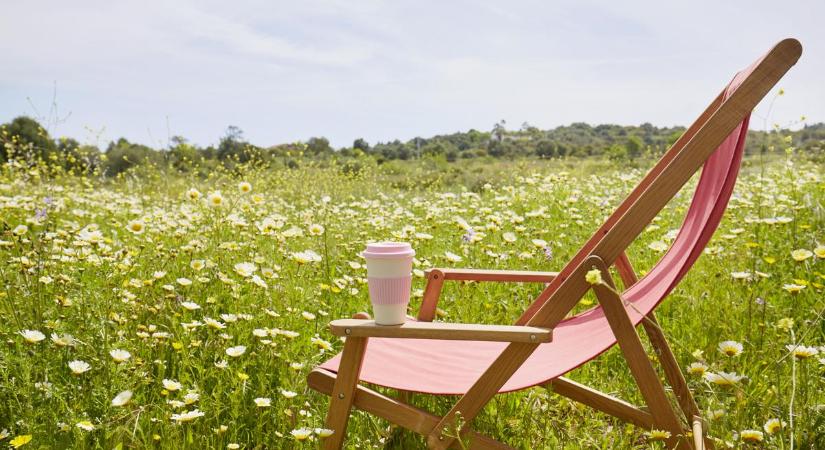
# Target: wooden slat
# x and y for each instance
(399, 413)
(521, 276)
(343, 391)
(626, 272)
(435, 281)
(602, 402)
(437, 276)
(441, 330)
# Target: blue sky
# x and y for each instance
(381, 70)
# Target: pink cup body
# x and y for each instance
(390, 291)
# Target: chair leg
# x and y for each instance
(343, 392)
(701, 440)
(673, 373)
(653, 392)
(676, 379)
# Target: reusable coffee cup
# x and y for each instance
(389, 267)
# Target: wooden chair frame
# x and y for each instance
(557, 300)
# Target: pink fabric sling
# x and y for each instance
(451, 367)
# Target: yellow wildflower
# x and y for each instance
(594, 276)
(21, 440)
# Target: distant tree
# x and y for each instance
(561, 150)
(404, 152)
(413, 147)
(617, 152)
(503, 149)
(26, 132)
(530, 130)
(233, 133)
(473, 153)
(451, 154)
(361, 144)
(286, 150)
(209, 152)
(477, 139)
(184, 156)
(499, 130)
(546, 149)
(495, 148)
(434, 148)
(67, 145)
(176, 141)
(390, 150)
(440, 147)
(317, 146)
(122, 155)
(634, 147)
(232, 146)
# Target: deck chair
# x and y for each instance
(475, 362)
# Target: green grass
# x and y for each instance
(121, 290)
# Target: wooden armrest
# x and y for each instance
(436, 278)
(496, 275)
(441, 330)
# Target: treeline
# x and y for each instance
(24, 139)
(579, 140)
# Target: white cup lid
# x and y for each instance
(388, 250)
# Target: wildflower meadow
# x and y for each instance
(180, 309)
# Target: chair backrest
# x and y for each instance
(648, 179)
(710, 199)
(721, 127)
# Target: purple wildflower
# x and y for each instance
(468, 236)
(42, 213)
